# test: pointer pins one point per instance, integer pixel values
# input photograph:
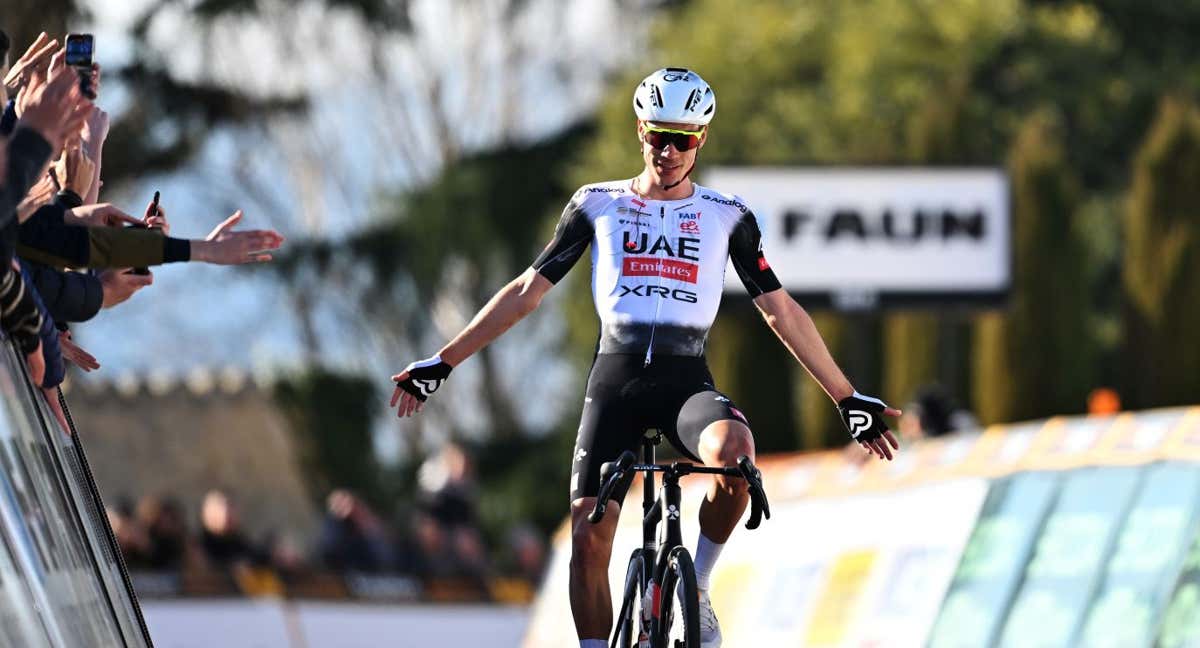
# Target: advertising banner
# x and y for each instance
(934, 236)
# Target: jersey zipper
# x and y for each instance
(662, 230)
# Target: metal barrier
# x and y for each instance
(62, 579)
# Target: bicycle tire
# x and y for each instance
(680, 573)
(627, 621)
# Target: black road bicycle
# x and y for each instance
(661, 566)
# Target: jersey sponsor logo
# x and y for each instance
(636, 213)
(685, 247)
(657, 267)
(604, 190)
(689, 216)
(723, 201)
(678, 294)
(637, 202)
(683, 206)
(690, 227)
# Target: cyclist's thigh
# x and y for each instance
(698, 412)
(606, 429)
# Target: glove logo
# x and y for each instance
(427, 387)
(858, 421)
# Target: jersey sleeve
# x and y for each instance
(745, 250)
(571, 238)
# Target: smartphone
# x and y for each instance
(152, 210)
(81, 49)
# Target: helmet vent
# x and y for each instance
(658, 97)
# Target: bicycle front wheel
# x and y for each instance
(680, 577)
(629, 621)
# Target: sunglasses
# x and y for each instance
(682, 140)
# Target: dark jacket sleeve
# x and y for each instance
(56, 368)
(19, 314)
(9, 121)
(46, 238)
(28, 152)
(68, 296)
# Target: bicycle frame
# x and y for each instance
(657, 549)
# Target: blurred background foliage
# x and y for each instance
(1090, 106)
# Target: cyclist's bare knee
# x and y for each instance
(591, 544)
(722, 442)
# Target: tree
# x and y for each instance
(331, 416)
(1161, 262)
(1033, 360)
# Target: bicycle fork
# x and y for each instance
(666, 508)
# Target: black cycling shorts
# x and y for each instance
(674, 394)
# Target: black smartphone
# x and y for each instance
(81, 51)
(152, 210)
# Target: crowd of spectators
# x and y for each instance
(64, 255)
(439, 540)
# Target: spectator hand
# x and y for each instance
(95, 132)
(223, 246)
(102, 215)
(119, 285)
(158, 220)
(31, 61)
(75, 170)
(76, 355)
(37, 364)
(53, 105)
(41, 193)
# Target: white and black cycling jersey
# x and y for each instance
(658, 266)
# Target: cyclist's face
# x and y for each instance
(668, 164)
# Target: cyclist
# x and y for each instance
(660, 245)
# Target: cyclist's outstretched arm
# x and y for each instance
(507, 307)
(795, 328)
(791, 323)
(861, 414)
(516, 300)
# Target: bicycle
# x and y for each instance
(672, 564)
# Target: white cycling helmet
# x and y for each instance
(675, 95)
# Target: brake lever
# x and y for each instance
(611, 473)
(759, 506)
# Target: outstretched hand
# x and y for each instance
(103, 215)
(75, 354)
(35, 58)
(863, 416)
(51, 104)
(225, 246)
(417, 383)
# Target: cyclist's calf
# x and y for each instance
(591, 544)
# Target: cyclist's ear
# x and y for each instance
(703, 139)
